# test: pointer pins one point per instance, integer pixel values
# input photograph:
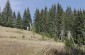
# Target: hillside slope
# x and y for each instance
(21, 42)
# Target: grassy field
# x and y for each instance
(21, 42)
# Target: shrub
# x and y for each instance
(12, 37)
(69, 43)
(23, 36)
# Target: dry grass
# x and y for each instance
(24, 47)
(21, 42)
(6, 32)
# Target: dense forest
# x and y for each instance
(60, 24)
(55, 22)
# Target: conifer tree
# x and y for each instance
(46, 20)
(42, 21)
(78, 28)
(37, 21)
(0, 17)
(59, 19)
(84, 27)
(69, 21)
(19, 21)
(7, 15)
(14, 20)
(27, 22)
(52, 21)
(29, 16)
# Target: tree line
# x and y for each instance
(9, 18)
(55, 22)
(58, 22)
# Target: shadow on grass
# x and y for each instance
(72, 51)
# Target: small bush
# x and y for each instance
(23, 36)
(43, 37)
(69, 43)
(21, 29)
(12, 37)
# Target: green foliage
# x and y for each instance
(7, 15)
(37, 21)
(0, 18)
(78, 28)
(68, 19)
(19, 21)
(50, 21)
(69, 43)
(8, 18)
(14, 20)
(55, 20)
(27, 19)
(59, 19)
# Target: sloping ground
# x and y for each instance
(6, 32)
(24, 47)
(21, 42)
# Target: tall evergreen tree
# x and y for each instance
(7, 15)
(84, 27)
(78, 28)
(46, 20)
(59, 19)
(69, 20)
(52, 21)
(27, 22)
(14, 20)
(75, 14)
(19, 21)
(42, 21)
(0, 17)
(29, 16)
(37, 21)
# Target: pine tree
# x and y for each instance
(84, 27)
(45, 20)
(37, 21)
(52, 21)
(58, 23)
(59, 19)
(0, 17)
(29, 16)
(78, 28)
(27, 22)
(75, 14)
(69, 19)
(7, 15)
(19, 21)
(14, 19)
